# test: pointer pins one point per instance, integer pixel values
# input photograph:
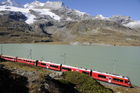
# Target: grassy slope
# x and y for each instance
(84, 83)
(110, 37)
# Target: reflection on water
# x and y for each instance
(118, 60)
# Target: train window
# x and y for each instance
(66, 68)
(101, 76)
(43, 64)
(126, 81)
(28, 61)
(54, 66)
(31, 61)
(85, 72)
(116, 79)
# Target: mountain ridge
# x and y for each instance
(56, 22)
(56, 5)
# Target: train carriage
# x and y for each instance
(27, 61)
(110, 78)
(68, 68)
(120, 80)
(43, 64)
(54, 66)
(8, 58)
(85, 71)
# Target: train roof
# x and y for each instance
(7, 56)
(26, 59)
(18, 57)
(52, 63)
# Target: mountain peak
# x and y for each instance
(121, 19)
(54, 4)
(34, 4)
(101, 17)
(48, 4)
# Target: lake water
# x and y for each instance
(113, 59)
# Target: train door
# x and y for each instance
(109, 79)
(47, 66)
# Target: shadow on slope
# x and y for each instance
(12, 83)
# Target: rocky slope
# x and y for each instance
(55, 22)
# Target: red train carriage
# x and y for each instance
(16, 59)
(30, 61)
(120, 80)
(42, 64)
(110, 78)
(69, 68)
(8, 58)
(53, 66)
(99, 76)
(27, 61)
(85, 71)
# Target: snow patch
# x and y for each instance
(79, 12)
(69, 19)
(54, 4)
(48, 12)
(48, 4)
(30, 18)
(26, 12)
(101, 17)
(34, 4)
(135, 24)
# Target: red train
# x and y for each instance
(106, 77)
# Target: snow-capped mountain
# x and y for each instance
(56, 10)
(48, 10)
(56, 22)
(48, 4)
(35, 4)
(121, 19)
(126, 21)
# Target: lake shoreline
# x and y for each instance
(75, 43)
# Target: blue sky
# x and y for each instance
(105, 7)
